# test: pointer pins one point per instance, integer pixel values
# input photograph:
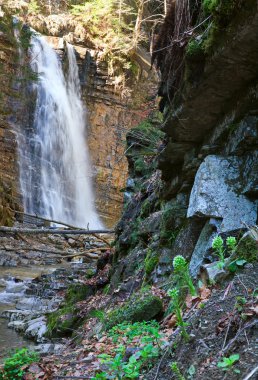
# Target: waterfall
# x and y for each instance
(55, 173)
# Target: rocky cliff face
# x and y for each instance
(10, 105)
(208, 162)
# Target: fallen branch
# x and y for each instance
(251, 373)
(52, 231)
(102, 239)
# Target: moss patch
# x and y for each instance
(140, 307)
(247, 249)
(150, 262)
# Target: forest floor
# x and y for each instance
(221, 321)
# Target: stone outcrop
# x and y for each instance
(208, 161)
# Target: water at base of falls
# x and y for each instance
(55, 173)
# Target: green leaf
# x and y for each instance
(241, 262)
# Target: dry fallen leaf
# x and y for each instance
(172, 322)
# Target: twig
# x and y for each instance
(251, 373)
(241, 282)
(160, 362)
(226, 335)
(102, 239)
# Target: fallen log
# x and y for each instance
(52, 231)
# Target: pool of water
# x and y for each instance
(10, 340)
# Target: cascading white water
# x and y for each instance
(54, 162)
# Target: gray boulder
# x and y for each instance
(217, 193)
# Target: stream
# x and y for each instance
(13, 283)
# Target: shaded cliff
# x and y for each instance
(205, 181)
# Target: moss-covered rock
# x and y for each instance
(140, 307)
(63, 321)
(247, 249)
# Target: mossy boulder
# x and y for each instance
(63, 321)
(140, 307)
(247, 249)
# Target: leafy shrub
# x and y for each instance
(13, 366)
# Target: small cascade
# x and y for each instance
(55, 170)
(13, 291)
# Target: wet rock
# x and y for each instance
(17, 325)
(215, 194)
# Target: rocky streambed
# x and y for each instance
(33, 280)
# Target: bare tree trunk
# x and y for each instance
(137, 29)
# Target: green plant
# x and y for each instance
(13, 366)
(150, 262)
(143, 338)
(231, 244)
(233, 262)
(174, 294)
(119, 369)
(146, 331)
(227, 363)
(218, 246)
(176, 371)
(33, 7)
(99, 314)
(182, 269)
